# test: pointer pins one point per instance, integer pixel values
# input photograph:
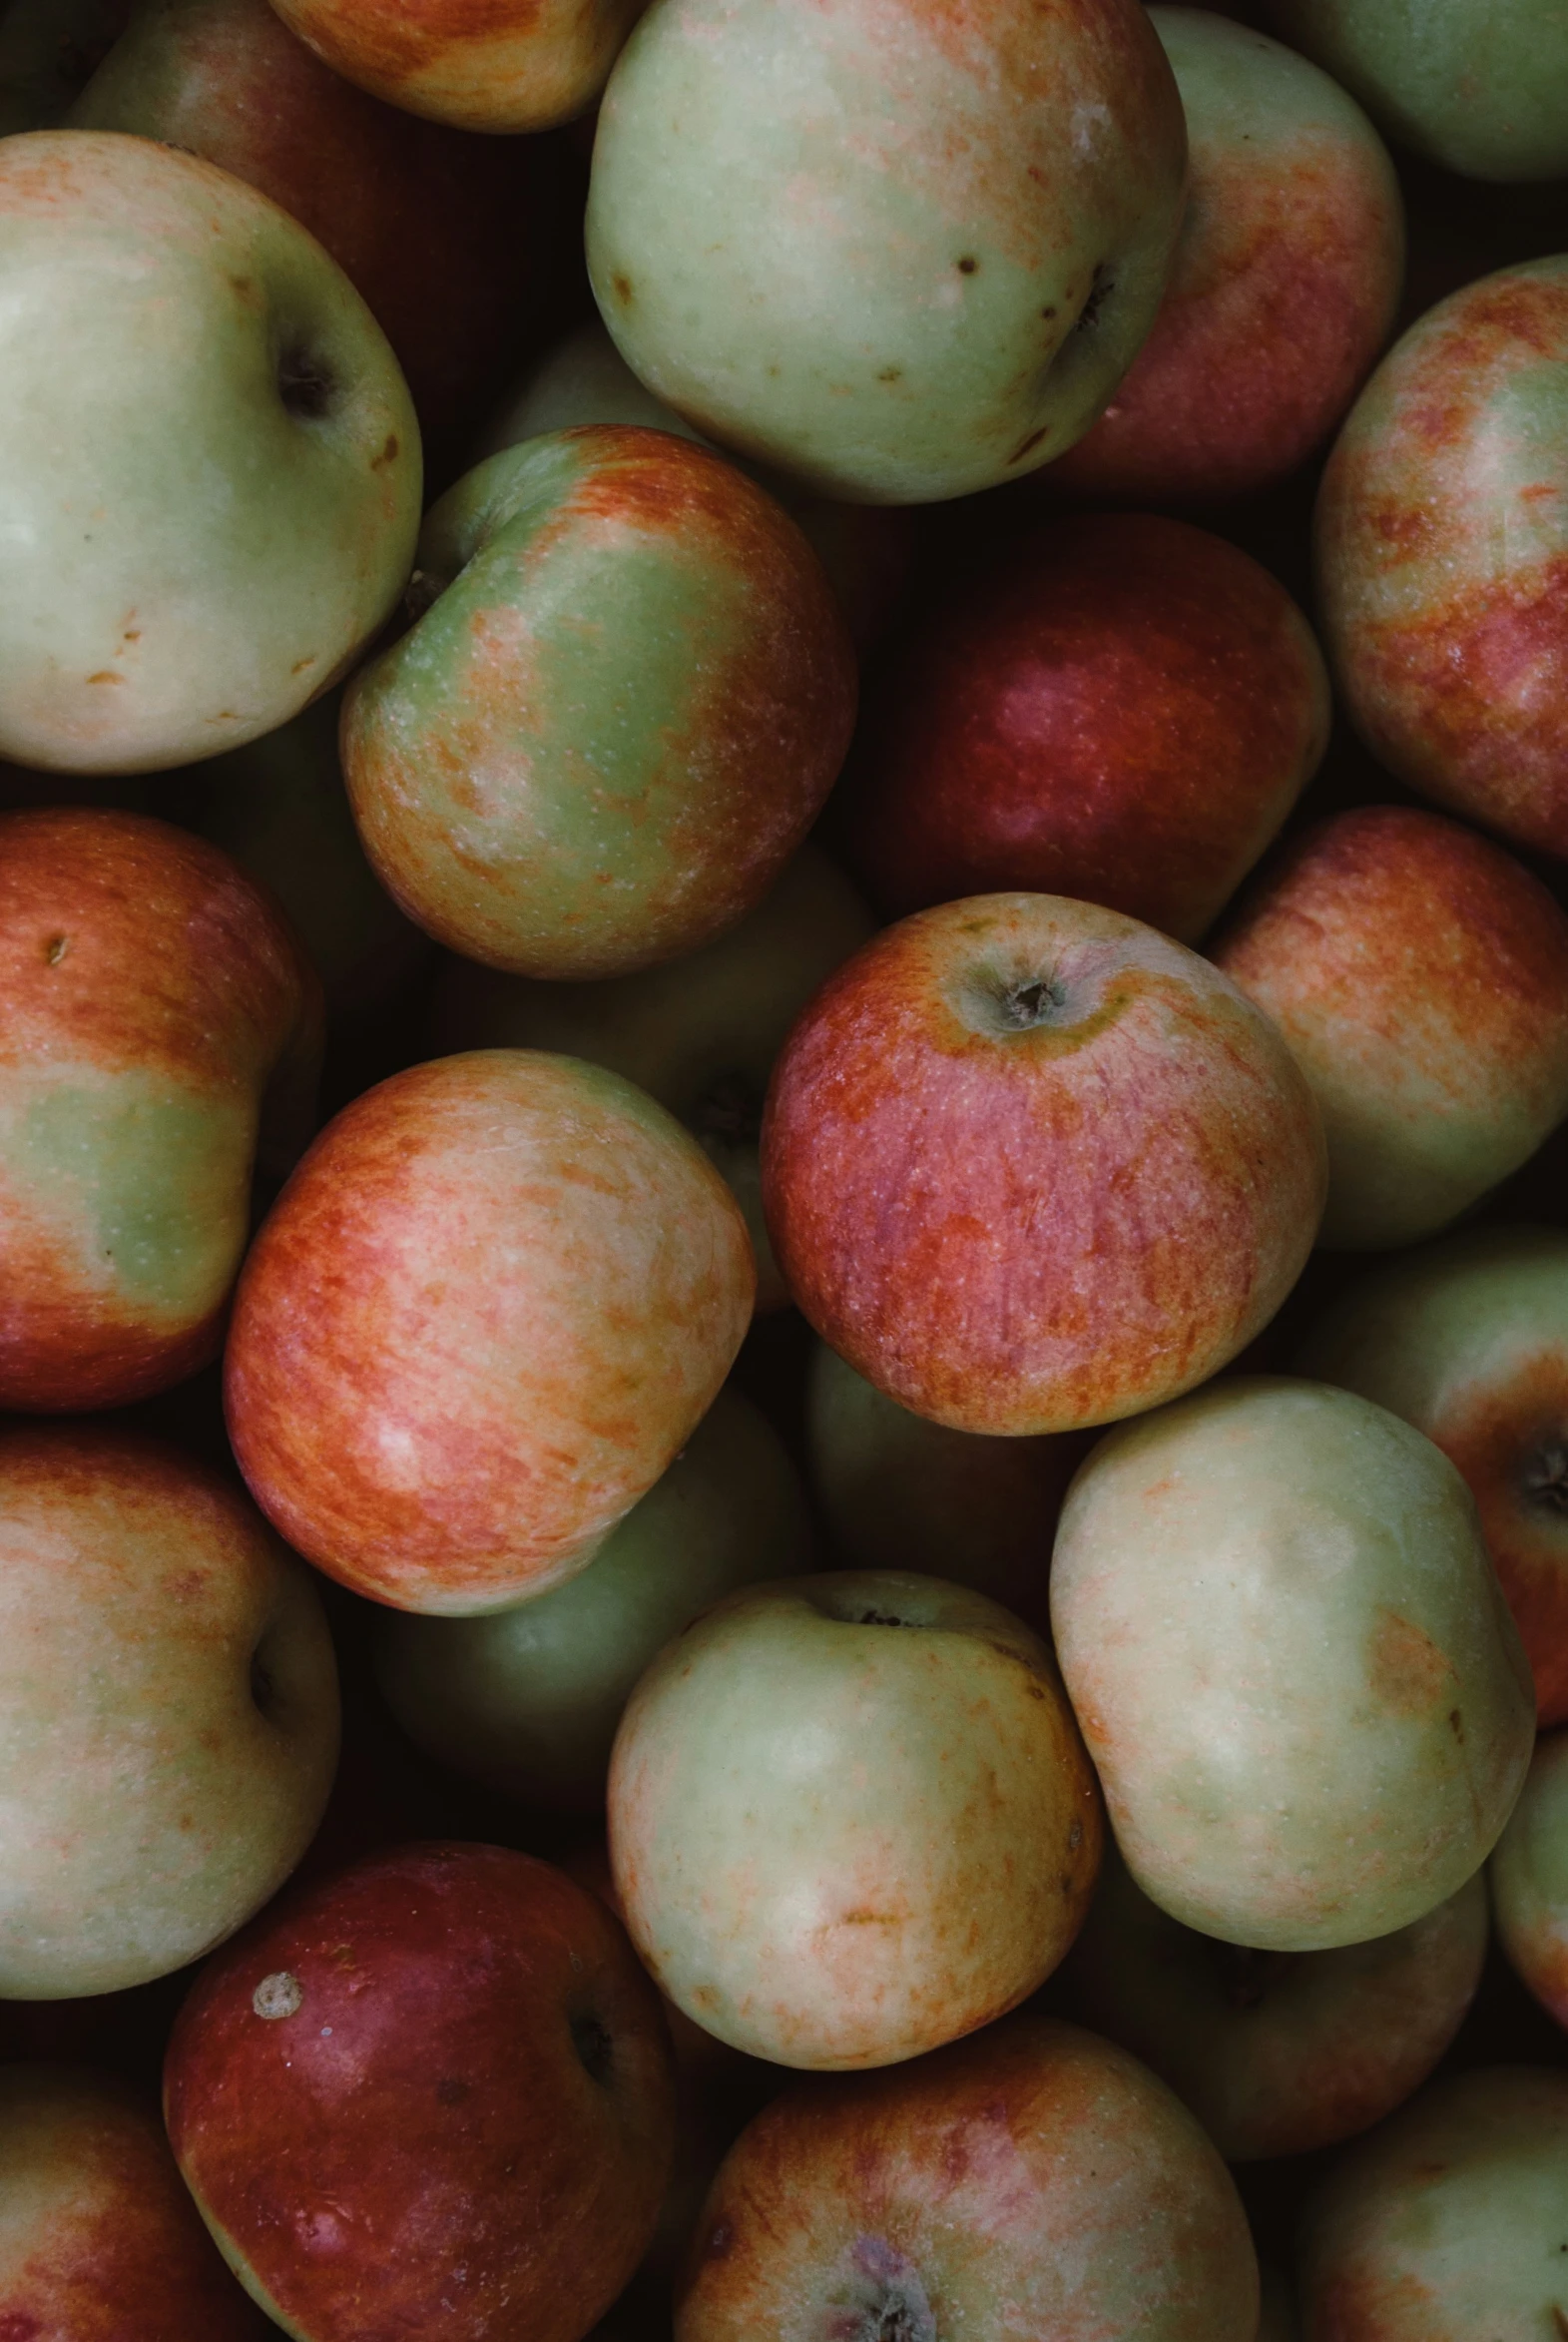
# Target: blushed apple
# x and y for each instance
(1029, 1166)
(507, 70)
(1420, 975)
(1529, 1874)
(184, 368)
(431, 2094)
(939, 302)
(487, 1312)
(162, 1029)
(1033, 2166)
(1291, 1662)
(1123, 710)
(1467, 1339)
(168, 1711)
(619, 715)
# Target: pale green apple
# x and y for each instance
(1530, 1878)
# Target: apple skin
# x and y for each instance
(850, 1818)
(1529, 1876)
(1292, 1665)
(1467, 1339)
(162, 1026)
(1124, 711)
(1442, 555)
(1033, 2165)
(1278, 2053)
(1285, 286)
(1447, 2225)
(168, 1711)
(699, 1034)
(528, 1699)
(253, 463)
(99, 2241)
(1029, 1166)
(489, 1309)
(619, 716)
(430, 2095)
(940, 303)
(1420, 977)
(481, 69)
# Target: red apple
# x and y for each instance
(433, 2095)
(1028, 1166)
(484, 68)
(1125, 712)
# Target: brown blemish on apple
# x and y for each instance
(1408, 1674)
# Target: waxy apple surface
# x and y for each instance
(1034, 2173)
(1029, 1166)
(489, 1309)
(430, 2096)
(168, 1711)
(619, 716)
(1442, 555)
(939, 302)
(1291, 1662)
(850, 1818)
(1420, 977)
(160, 1024)
(210, 468)
(1529, 1875)
(507, 68)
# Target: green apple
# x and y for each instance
(1530, 1878)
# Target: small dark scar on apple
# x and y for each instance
(891, 375)
(386, 455)
(1456, 1725)
(620, 287)
(106, 675)
(1075, 1837)
(719, 2240)
(967, 265)
(1048, 312)
(1026, 447)
(55, 949)
(300, 665)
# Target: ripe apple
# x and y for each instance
(1420, 977)
(1529, 1874)
(528, 1699)
(210, 468)
(168, 1710)
(1124, 711)
(1033, 2172)
(1467, 1339)
(1443, 554)
(430, 2095)
(621, 712)
(492, 69)
(1285, 285)
(162, 1029)
(1027, 1165)
(1291, 1662)
(899, 254)
(490, 1308)
(850, 1818)
(97, 2234)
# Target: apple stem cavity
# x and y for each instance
(899, 2310)
(308, 388)
(1546, 1475)
(595, 2047)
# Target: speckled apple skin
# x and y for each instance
(1291, 1662)
(432, 2096)
(899, 252)
(1529, 1875)
(850, 1818)
(1035, 2182)
(1021, 1219)
(489, 1308)
(1442, 555)
(467, 63)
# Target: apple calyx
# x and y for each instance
(1545, 1473)
(883, 2300)
(307, 387)
(595, 2045)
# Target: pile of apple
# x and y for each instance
(797, 1580)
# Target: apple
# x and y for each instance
(491, 70)
(1028, 1166)
(527, 1700)
(1420, 977)
(1277, 2053)
(185, 373)
(162, 1029)
(168, 1710)
(1291, 1662)
(1442, 553)
(1033, 2173)
(850, 1818)
(1529, 1874)
(621, 710)
(1285, 285)
(488, 1311)
(1447, 2225)
(699, 1033)
(898, 254)
(97, 2234)
(1467, 1339)
(1124, 711)
(431, 2094)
